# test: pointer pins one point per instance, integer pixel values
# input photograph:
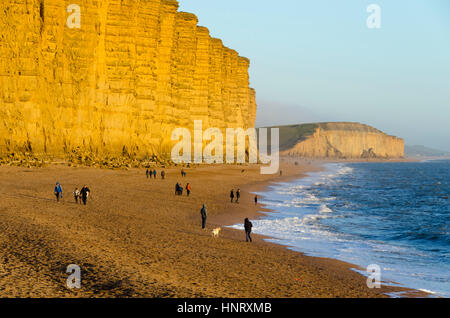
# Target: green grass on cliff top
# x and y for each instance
(291, 135)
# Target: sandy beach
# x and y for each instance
(135, 238)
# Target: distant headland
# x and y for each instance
(340, 140)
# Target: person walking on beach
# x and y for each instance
(238, 195)
(178, 189)
(188, 189)
(204, 216)
(85, 192)
(163, 174)
(154, 174)
(182, 172)
(248, 229)
(58, 191)
(147, 173)
(232, 196)
(76, 195)
(256, 200)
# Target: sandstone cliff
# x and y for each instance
(339, 140)
(120, 84)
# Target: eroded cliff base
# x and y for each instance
(87, 159)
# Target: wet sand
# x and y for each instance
(135, 238)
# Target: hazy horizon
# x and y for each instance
(319, 62)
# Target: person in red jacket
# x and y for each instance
(188, 189)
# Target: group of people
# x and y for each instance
(247, 224)
(153, 173)
(80, 196)
(237, 195)
(179, 189)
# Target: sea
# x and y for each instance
(394, 215)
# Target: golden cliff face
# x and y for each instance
(120, 84)
(346, 141)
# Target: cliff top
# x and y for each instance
(291, 135)
(203, 30)
(173, 3)
(187, 16)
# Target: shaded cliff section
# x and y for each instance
(339, 141)
(119, 85)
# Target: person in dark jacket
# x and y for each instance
(178, 189)
(58, 191)
(85, 192)
(204, 216)
(154, 174)
(238, 195)
(147, 173)
(256, 200)
(232, 196)
(163, 174)
(248, 229)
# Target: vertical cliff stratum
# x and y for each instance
(134, 71)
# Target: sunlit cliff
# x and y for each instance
(119, 84)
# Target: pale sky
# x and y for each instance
(318, 61)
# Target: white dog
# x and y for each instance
(216, 232)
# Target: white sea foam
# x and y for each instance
(310, 218)
(345, 170)
(291, 228)
(324, 209)
(279, 205)
(291, 190)
(428, 291)
(308, 199)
